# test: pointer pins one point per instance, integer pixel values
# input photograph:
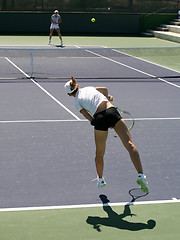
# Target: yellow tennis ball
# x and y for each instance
(93, 20)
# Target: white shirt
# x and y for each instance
(89, 98)
(55, 19)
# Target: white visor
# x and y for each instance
(68, 88)
(56, 11)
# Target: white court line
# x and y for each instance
(17, 67)
(152, 119)
(44, 121)
(137, 70)
(86, 205)
(95, 57)
(77, 46)
(2, 46)
(159, 65)
(44, 90)
(81, 120)
(85, 49)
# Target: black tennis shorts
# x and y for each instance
(105, 119)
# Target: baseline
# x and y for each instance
(174, 200)
(83, 120)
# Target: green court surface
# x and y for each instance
(108, 41)
(117, 222)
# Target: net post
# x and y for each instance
(32, 54)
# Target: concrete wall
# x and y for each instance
(149, 22)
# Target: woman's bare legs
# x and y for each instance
(51, 32)
(100, 141)
(123, 132)
(59, 34)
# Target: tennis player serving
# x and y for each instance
(95, 105)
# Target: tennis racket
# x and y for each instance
(136, 193)
(126, 116)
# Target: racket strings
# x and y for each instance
(136, 193)
(129, 120)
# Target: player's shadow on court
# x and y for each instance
(117, 220)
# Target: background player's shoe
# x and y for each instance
(61, 43)
(49, 42)
(143, 183)
(101, 182)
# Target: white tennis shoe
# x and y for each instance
(101, 182)
(49, 42)
(61, 43)
(143, 183)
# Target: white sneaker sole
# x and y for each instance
(143, 184)
(102, 185)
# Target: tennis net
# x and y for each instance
(90, 64)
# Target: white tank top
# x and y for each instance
(89, 98)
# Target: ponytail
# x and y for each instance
(73, 83)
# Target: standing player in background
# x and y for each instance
(55, 21)
(179, 13)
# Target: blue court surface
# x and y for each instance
(47, 147)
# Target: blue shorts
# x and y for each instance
(106, 119)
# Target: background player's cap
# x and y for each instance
(56, 11)
(68, 88)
